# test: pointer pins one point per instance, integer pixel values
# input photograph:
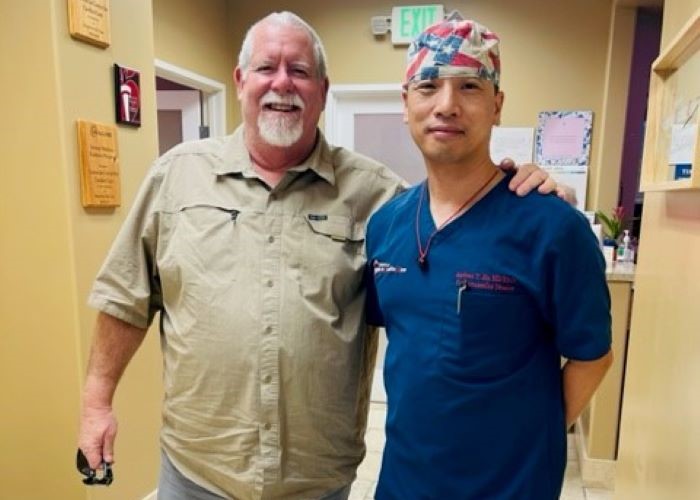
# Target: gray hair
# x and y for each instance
(284, 18)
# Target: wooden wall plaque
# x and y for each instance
(88, 20)
(100, 184)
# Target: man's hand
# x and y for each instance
(529, 176)
(567, 193)
(98, 428)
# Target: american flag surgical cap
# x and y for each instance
(452, 49)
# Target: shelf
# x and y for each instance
(671, 142)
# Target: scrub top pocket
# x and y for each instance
(483, 339)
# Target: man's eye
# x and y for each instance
(471, 86)
(301, 72)
(265, 68)
(425, 87)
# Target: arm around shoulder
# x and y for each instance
(530, 176)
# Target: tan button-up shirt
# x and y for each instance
(267, 357)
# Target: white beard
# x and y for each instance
(278, 129)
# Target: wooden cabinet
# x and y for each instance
(597, 430)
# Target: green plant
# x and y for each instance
(613, 225)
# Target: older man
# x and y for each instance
(251, 247)
(481, 294)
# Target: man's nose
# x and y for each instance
(282, 82)
(447, 101)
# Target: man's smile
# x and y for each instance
(281, 107)
(444, 130)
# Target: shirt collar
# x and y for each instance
(236, 160)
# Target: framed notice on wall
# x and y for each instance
(127, 95)
(100, 184)
(563, 138)
(88, 20)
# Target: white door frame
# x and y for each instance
(214, 93)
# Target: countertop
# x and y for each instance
(620, 271)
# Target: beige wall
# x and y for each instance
(195, 36)
(51, 249)
(659, 453)
(605, 179)
(556, 59)
(38, 308)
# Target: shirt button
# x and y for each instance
(271, 239)
(267, 426)
(269, 283)
(267, 330)
(267, 379)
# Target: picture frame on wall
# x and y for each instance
(563, 138)
(127, 95)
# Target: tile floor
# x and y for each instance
(364, 485)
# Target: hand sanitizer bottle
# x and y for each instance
(626, 250)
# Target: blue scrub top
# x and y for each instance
(472, 368)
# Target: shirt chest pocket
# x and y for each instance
(333, 258)
(204, 244)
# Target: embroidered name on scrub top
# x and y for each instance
(385, 267)
(489, 282)
(501, 283)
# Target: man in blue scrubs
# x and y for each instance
(481, 294)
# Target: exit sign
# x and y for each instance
(408, 22)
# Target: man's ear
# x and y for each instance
(238, 79)
(498, 101)
(404, 96)
(326, 86)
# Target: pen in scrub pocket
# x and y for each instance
(462, 287)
